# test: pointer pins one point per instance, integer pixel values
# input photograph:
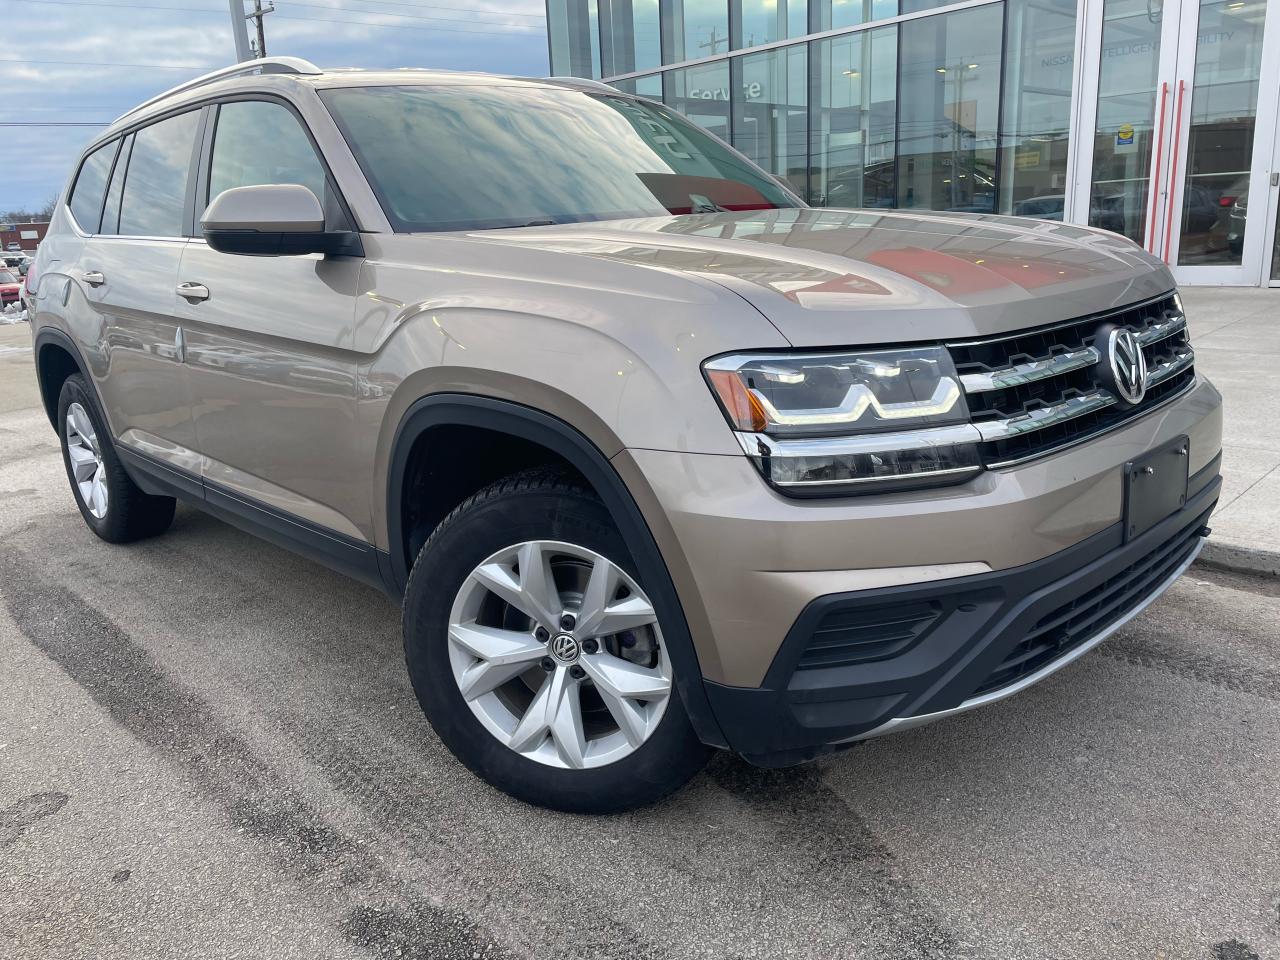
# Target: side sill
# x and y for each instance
(358, 560)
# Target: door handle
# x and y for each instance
(93, 278)
(1173, 170)
(1155, 194)
(193, 291)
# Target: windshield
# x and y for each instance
(480, 157)
(7, 277)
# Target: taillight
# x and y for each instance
(30, 283)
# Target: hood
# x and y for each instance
(847, 277)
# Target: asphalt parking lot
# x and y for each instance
(209, 748)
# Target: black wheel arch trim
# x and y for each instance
(561, 438)
(52, 336)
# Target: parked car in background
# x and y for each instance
(14, 245)
(657, 458)
(10, 288)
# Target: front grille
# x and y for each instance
(862, 635)
(1084, 617)
(1039, 390)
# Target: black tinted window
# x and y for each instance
(111, 210)
(155, 187)
(86, 197)
(258, 142)
(468, 157)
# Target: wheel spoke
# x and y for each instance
(99, 494)
(83, 426)
(566, 726)
(556, 711)
(538, 585)
(620, 678)
(501, 655)
(601, 615)
(533, 593)
(630, 716)
(83, 463)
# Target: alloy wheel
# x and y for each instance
(86, 461)
(558, 653)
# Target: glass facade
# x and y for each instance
(937, 112)
(1224, 100)
(973, 107)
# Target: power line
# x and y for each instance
(513, 29)
(92, 63)
(301, 3)
(513, 32)
(411, 17)
(437, 6)
(52, 123)
(120, 6)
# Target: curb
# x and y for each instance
(1217, 555)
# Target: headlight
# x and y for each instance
(843, 423)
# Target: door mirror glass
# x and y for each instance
(276, 219)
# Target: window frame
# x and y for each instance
(201, 158)
(106, 187)
(205, 159)
(118, 137)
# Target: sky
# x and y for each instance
(87, 62)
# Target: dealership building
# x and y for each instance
(1157, 120)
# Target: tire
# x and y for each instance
(113, 506)
(546, 516)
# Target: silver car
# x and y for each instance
(659, 458)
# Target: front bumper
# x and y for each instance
(952, 645)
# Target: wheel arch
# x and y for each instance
(57, 358)
(574, 448)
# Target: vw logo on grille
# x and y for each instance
(564, 648)
(1126, 366)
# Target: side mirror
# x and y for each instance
(274, 219)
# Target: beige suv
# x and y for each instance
(659, 458)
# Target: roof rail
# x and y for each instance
(584, 83)
(286, 65)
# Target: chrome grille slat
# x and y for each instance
(1162, 331)
(1044, 417)
(1037, 391)
(1029, 372)
(1170, 368)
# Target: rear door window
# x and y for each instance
(155, 185)
(91, 184)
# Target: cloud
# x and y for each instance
(101, 60)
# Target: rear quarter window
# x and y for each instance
(91, 185)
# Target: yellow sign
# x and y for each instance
(1028, 159)
(1124, 136)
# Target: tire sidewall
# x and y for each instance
(671, 754)
(75, 391)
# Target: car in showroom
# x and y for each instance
(657, 458)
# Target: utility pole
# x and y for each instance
(240, 31)
(259, 13)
